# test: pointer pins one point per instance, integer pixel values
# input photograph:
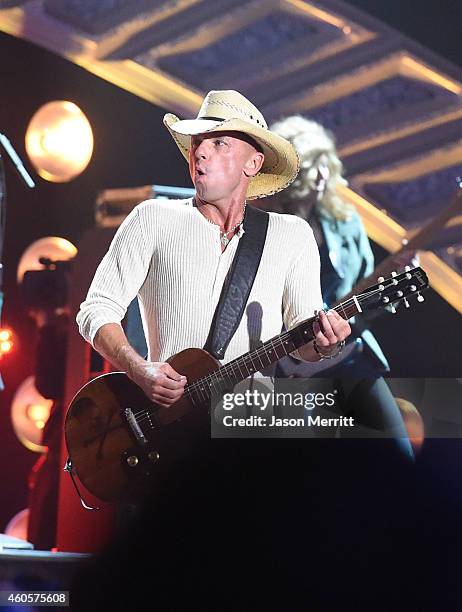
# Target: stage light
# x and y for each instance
(6, 341)
(413, 422)
(29, 414)
(59, 141)
(5, 347)
(50, 247)
(17, 526)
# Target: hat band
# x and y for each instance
(212, 118)
(251, 141)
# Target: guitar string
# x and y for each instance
(205, 384)
(229, 368)
(205, 387)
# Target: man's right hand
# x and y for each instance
(159, 381)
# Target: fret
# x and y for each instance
(227, 378)
(301, 336)
(239, 368)
(278, 349)
(287, 344)
(200, 389)
(216, 382)
(234, 372)
(213, 375)
(263, 365)
(271, 352)
(192, 393)
(266, 354)
(252, 368)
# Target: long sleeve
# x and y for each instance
(302, 291)
(364, 248)
(118, 278)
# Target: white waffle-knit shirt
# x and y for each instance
(169, 255)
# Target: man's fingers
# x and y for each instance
(167, 393)
(327, 328)
(320, 338)
(330, 329)
(161, 400)
(169, 383)
(171, 373)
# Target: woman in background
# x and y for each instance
(346, 257)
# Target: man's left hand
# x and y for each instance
(330, 330)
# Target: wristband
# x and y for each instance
(340, 347)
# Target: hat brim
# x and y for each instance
(281, 163)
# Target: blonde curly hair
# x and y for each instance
(316, 147)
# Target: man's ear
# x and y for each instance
(254, 164)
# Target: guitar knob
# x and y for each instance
(132, 461)
(153, 456)
(420, 298)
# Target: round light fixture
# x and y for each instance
(50, 247)
(29, 413)
(59, 141)
(17, 525)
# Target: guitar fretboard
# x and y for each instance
(226, 377)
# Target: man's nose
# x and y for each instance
(202, 150)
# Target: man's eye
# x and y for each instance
(219, 141)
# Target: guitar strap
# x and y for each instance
(237, 287)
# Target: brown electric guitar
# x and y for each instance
(114, 433)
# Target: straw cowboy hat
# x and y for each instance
(230, 111)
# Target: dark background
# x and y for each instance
(132, 148)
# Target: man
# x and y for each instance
(176, 257)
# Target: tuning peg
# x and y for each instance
(380, 279)
(385, 300)
(407, 268)
(406, 303)
(399, 294)
(420, 298)
(413, 288)
(394, 273)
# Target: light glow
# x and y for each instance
(59, 141)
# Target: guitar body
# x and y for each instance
(106, 452)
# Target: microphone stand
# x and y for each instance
(30, 183)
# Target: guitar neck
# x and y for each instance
(418, 241)
(226, 377)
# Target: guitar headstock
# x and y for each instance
(394, 289)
